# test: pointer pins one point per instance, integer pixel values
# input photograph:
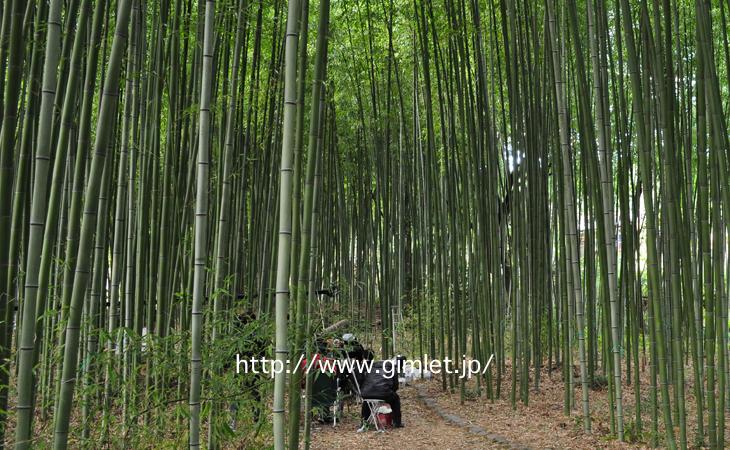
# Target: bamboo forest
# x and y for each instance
(364, 224)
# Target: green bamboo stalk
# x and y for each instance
(24, 406)
(222, 266)
(107, 113)
(571, 234)
(201, 224)
(320, 67)
(285, 219)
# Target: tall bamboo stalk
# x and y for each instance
(201, 223)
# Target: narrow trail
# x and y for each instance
(424, 428)
(435, 419)
(541, 425)
(456, 420)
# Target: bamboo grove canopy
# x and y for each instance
(545, 181)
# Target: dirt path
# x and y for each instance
(541, 425)
(424, 429)
(435, 419)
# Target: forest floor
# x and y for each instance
(436, 419)
(539, 425)
(423, 429)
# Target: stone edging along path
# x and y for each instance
(460, 422)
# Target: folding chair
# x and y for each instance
(374, 404)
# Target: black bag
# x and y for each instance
(379, 383)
